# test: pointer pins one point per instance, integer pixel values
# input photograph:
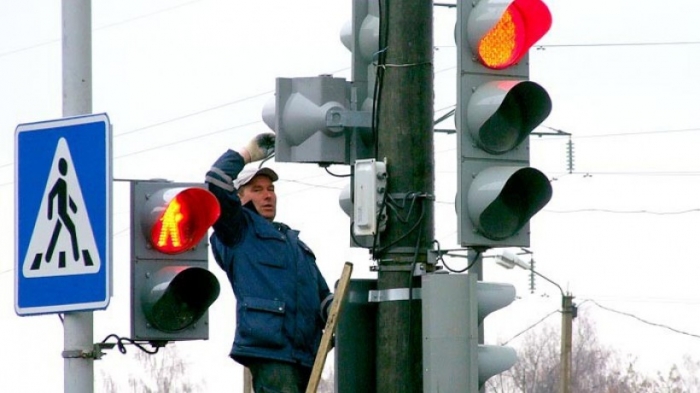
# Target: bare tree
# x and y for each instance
(595, 368)
(164, 372)
(691, 374)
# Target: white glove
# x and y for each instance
(260, 147)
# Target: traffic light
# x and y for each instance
(497, 109)
(316, 121)
(171, 287)
(361, 37)
(313, 120)
(454, 306)
(328, 120)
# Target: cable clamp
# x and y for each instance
(417, 268)
(394, 294)
(95, 354)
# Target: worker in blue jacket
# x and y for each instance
(281, 297)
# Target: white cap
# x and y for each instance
(247, 174)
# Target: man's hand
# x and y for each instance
(260, 147)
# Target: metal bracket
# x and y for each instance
(95, 354)
(395, 294)
(418, 269)
(339, 119)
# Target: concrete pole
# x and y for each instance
(78, 372)
(566, 333)
(404, 111)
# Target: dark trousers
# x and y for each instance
(270, 376)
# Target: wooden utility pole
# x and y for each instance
(404, 113)
(567, 316)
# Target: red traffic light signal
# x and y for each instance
(179, 218)
(500, 32)
(171, 287)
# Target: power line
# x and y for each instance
(144, 16)
(34, 46)
(604, 44)
(637, 133)
(199, 112)
(187, 139)
(643, 320)
(629, 173)
(530, 327)
(649, 300)
(593, 210)
(594, 45)
(607, 309)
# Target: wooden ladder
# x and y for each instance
(331, 323)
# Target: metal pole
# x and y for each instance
(78, 372)
(566, 333)
(404, 110)
(247, 381)
(478, 270)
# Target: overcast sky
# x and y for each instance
(183, 80)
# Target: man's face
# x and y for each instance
(261, 192)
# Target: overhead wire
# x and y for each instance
(530, 327)
(630, 315)
(643, 320)
(377, 91)
(376, 108)
(199, 112)
(53, 41)
(163, 145)
(380, 61)
(615, 44)
(592, 210)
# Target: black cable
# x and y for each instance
(266, 159)
(335, 174)
(377, 222)
(441, 259)
(392, 204)
(354, 239)
(379, 75)
(122, 348)
(405, 235)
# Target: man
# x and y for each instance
(280, 293)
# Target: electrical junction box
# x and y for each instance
(369, 189)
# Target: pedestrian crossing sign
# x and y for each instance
(63, 215)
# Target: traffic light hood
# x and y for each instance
(247, 174)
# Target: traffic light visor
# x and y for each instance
(503, 199)
(501, 34)
(182, 297)
(502, 114)
(183, 217)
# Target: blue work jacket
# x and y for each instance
(278, 287)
